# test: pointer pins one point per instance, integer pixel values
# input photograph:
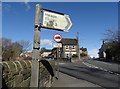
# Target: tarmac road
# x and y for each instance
(102, 74)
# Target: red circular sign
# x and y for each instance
(57, 38)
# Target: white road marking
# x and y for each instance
(92, 66)
(61, 63)
(104, 63)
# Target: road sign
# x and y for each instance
(57, 38)
(57, 21)
(57, 45)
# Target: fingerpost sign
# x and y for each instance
(51, 20)
(56, 21)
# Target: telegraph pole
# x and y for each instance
(36, 52)
(78, 46)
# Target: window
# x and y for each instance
(73, 47)
(66, 47)
(67, 55)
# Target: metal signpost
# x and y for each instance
(56, 45)
(51, 20)
(58, 38)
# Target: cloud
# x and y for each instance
(46, 42)
(27, 5)
(93, 53)
(6, 7)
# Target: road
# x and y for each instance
(103, 74)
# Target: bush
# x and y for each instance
(74, 55)
(114, 51)
(83, 55)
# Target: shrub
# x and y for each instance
(74, 55)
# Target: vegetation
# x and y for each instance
(112, 40)
(83, 55)
(74, 56)
(43, 50)
(25, 44)
(12, 50)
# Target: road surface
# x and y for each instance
(103, 74)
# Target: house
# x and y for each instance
(83, 52)
(46, 53)
(102, 50)
(26, 54)
(70, 47)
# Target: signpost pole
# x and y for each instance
(57, 71)
(58, 59)
(36, 53)
(57, 38)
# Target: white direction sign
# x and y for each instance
(57, 45)
(56, 21)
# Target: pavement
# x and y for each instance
(69, 81)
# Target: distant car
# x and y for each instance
(27, 58)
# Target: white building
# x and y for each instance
(46, 53)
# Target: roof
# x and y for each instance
(48, 50)
(54, 49)
(83, 49)
(68, 41)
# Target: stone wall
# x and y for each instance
(18, 73)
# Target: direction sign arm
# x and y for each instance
(69, 23)
(51, 28)
(52, 11)
(56, 21)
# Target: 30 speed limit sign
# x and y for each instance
(57, 38)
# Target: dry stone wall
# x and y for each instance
(18, 73)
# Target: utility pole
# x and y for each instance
(78, 49)
(58, 57)
(57, 61)
(36, 52)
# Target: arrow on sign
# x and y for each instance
(56, 21)
(69, 23)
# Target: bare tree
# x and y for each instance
(25, 44)
(112, 41)
(16, 50)
(10, 50)
(5, 43)
(112, 35)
